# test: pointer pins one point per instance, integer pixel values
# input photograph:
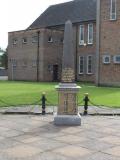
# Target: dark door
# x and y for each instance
(55, 72)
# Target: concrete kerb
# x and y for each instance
(92, 111)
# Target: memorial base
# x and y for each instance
(68, 120)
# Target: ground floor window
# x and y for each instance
(24, 63)
(81, 64)
(89, 64)
(34, 63)
(13, 62)
(106, 59)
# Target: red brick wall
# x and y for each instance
(89, 49)
(49, 54)
(109, 44)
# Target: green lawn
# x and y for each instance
(18, 93)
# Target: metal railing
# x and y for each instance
(44, 102)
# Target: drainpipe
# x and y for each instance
(98, 44)
(12, 72)
(38, 54)
(76, 70)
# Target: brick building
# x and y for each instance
(35, 54)
(108, 42)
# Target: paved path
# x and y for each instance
(37, 110)
(34, 137)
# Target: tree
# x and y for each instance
(4, 60)
(1, 50)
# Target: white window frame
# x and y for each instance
(111, 11)
(34, 39)
(90, 41)
(34, 63)
(81, 41)
(114, 59)
(15, 41)
(24, 63)
(106, 56)
(51, 39)
(14, 62)
(24, 40)
(88, 64)
(80, 65)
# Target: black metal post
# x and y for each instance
(86, 100)
(43, 99)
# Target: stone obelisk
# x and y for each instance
(67, 113)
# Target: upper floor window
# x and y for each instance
(15, 41)
(113, 10)
(117, 59)
(90, 33)
(24, 40)
(50, 39)
(81, 64)
(89, 64)
(34, 39)
(81, 35)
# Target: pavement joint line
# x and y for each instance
(108, 153)
(51, 113)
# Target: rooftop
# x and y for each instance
(77, 11)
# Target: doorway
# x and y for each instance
(55, 72)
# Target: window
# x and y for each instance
(113, 10)
(81, 64)
(50, 67)
(81, 36)
(117, 59)
(90, 33)
(89, 64)
(13, 62)
(24, 40)
(106, 59)
(61, 40)
(24, 63)
(50, 39)
(15, 41)
(34, 63)
(34, 39)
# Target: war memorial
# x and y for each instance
(67, 89)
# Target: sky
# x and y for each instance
(19, 14)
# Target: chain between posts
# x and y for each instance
(47, 102)
(9, 104)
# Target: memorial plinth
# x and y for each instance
(67, 113)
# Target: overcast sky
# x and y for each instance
(19, 14)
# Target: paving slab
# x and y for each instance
(28, 137)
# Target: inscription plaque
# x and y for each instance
(68, 75)
(67, 103)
